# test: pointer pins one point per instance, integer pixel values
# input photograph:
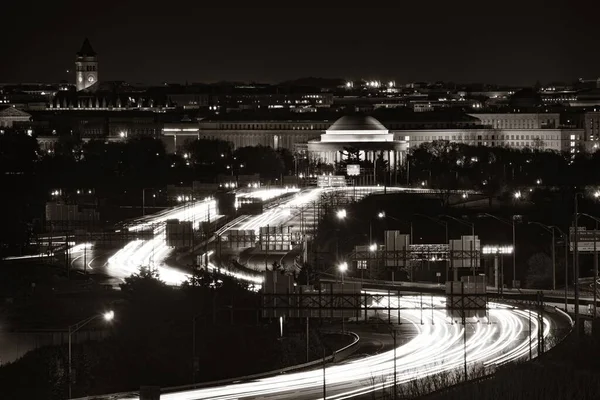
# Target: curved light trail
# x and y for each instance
(154, 252)
(437, 348)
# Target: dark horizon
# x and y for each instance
(184, 42)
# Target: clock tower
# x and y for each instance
(86, 67)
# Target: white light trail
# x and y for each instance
(153, 253)
(281, 213)
(437, 348)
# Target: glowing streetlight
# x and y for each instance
(109, 315)
(373, 247)
(597, 193)
(106, 316)
(343, 267)
(518, 195)
(381, 215)
(341, 214)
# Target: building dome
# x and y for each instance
(357, 123)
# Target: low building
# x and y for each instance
(10, 115)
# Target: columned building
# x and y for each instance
(359, 134)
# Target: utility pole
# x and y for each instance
(595, 284)
(553, 260)
(395, 373)
(307, 331)
(85, 255)
(566, 271)
(576, 265)
(324, 382)
(267, 253)
(514, 253)
(529, 312)
(464, 322)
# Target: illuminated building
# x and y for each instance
(86, 67)
(363, 134)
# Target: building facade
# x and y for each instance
(11, 115)
(363, 135)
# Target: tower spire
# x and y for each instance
(86, 49)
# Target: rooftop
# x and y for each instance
(357, 122)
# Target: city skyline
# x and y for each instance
(410, 43)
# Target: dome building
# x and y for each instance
(360, 132)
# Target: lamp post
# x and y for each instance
(372, 249)
(551, 230)
(595, 283)
(107, 316)
(343, 267)
(566, 238)
(576, 259)
(383, 215)
(393, 332)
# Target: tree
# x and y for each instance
(145, 280)
(212, 154)
(288, 160)
(261, 160)
(18, 152)
(539, 273)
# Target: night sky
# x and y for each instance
(505, 42)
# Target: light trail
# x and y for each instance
(281, 213)
(437, 348)
(153, 253)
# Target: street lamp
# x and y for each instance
(341, 214)
(550, 229)
(595, 283)
(517, 195)
(343, 267)
(106, 316)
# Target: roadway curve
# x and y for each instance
(437, 347)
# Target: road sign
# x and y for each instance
(585, 239)
(331, 180)
(353, 169)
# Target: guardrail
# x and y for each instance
(341, 353)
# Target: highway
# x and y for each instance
(153, 253)
(436, 348)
